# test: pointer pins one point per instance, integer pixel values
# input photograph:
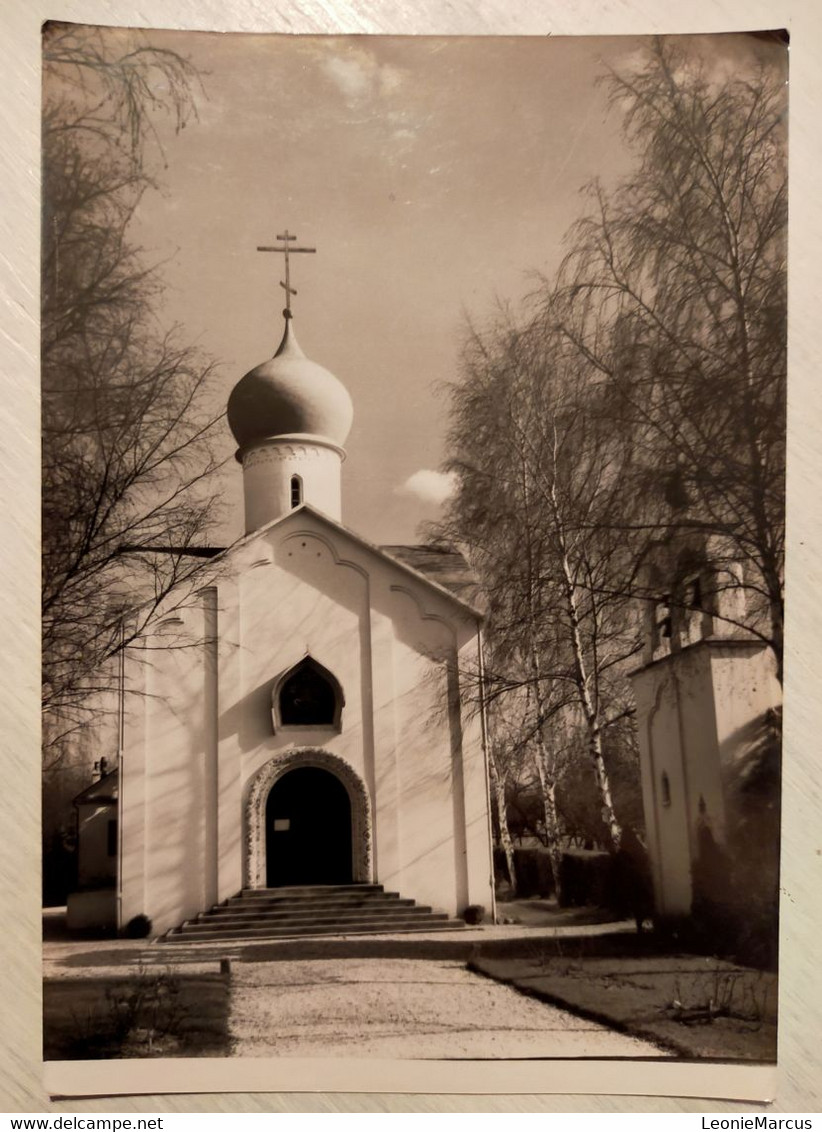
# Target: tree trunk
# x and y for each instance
(546, 770)
(507, 844)
(548, 789)
(589, 708)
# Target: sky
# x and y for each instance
(436, 178)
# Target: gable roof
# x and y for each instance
(443, 565)
(102, 792)
(442, 569)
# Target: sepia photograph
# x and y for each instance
(413, 519)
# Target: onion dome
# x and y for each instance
(289, 395)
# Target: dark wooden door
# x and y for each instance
(308, 829)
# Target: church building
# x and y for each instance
(308, 718)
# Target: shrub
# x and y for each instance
(585, 877)
(138, 927)
(474, 914)
(534, 875)
(150, 1014)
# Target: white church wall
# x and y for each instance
(211, 742)
(477, 825)
(749, 729)
(696, 716)
(436, 788)
(321, 610)
(175, 832)
(746, 687)
(133, 788)
(700, 712)
(388, 814)
(229, 752)
(201, 730)
(432, 841)
(646, 707)
(664, 787)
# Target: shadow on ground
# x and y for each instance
(695, 1006)
(698, 1007)
(458, 948)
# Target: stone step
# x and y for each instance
(307, 890)
(309, 910)
(274, 895)
(209, 924)
(303, 911)
(371, 928)
(307, 907)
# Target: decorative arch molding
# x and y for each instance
(426, 615)
(337, 558)
(260, 787)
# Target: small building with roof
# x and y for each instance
(94, 903)
(308, 719)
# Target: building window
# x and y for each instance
(666, 789)
(692, 595)
(296, 491)
(692, 628)
(662, 620)
(307, 696)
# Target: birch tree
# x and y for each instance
(537, 476)
(637, 402)
(674, 290)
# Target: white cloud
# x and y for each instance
(358, 75)
(429, 486)
(390, 79)
(352, 76)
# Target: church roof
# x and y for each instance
(102, 792)
(289, 395)
(443, 565)
(441, 568)
(445, 568)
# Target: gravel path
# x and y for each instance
(403, 1008)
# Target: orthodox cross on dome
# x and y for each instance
(286, 248)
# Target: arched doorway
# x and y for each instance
(308, 829)
(260, 845)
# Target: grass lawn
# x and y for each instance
(697, 1007)
(150, 1014)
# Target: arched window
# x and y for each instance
(296, 491)
(307, 696)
